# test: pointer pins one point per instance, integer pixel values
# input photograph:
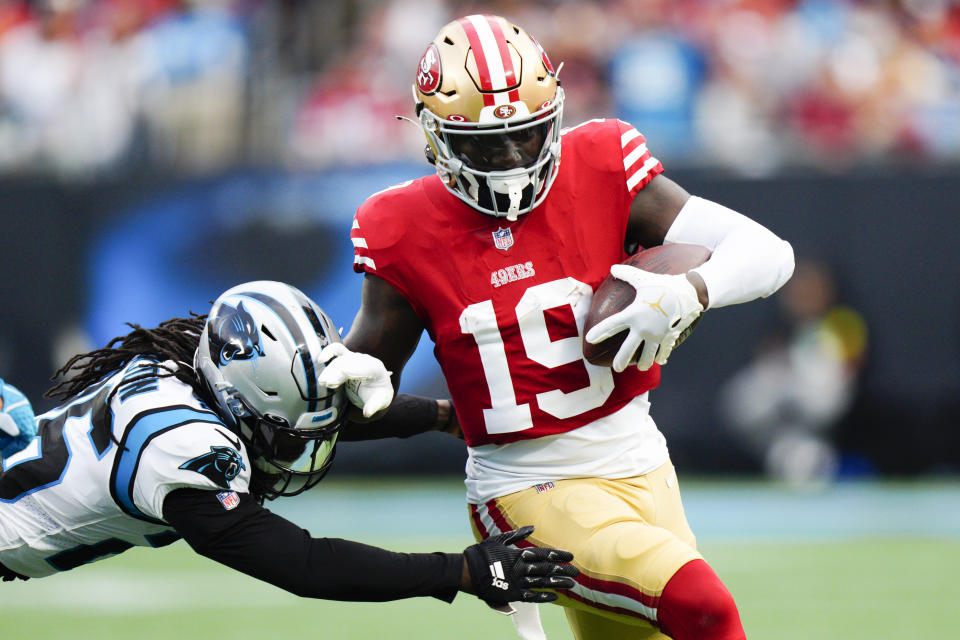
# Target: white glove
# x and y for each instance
(368, 381)
(665, 305)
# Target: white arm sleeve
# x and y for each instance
(749, 261)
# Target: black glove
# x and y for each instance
(501, 574)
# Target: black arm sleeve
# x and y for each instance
(407, 416)
(261, 544)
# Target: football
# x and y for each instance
(614, 295)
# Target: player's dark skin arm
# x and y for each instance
(388, 328)
(652, 212)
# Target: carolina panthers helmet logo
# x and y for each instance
(233, 335)
(221, 465)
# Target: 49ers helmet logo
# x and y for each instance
(428, 71)
(505, 111)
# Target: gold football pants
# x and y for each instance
(628, 536)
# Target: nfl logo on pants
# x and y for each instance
(229, 499)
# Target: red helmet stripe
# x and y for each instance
(478, 54)
(509, 75)
(492, 55)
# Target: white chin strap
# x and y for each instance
(511, 183)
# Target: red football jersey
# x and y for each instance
(505, 302)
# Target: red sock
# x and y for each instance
(696, 605)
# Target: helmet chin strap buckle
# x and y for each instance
(514, 209)
(513, 186)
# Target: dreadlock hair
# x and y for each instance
(173, 340)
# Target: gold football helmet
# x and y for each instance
(490, 105)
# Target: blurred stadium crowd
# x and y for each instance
(89, 87)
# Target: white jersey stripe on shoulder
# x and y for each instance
(491, 52)
(359, 242)
(641, 173)
(627, 136)
(633, 156)
(356, 225)
(365, 261)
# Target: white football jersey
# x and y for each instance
(92, 483)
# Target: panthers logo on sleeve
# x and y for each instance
(233, 335)
(221, 465)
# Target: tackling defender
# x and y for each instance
(497, 257)
(182, 431)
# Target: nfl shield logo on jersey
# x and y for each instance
(503, 238)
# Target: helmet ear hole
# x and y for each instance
(431, 156)
(275, 419)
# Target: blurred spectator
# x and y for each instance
(348, 116)
(656, 78)
(46, 114)
(802, 381)
(754, 86)
(195, 70)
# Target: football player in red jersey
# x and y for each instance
(497, 257)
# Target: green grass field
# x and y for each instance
(853, 562)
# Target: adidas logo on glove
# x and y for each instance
(502, 574)
(496, 570)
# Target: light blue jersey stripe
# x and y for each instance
(144, 428)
